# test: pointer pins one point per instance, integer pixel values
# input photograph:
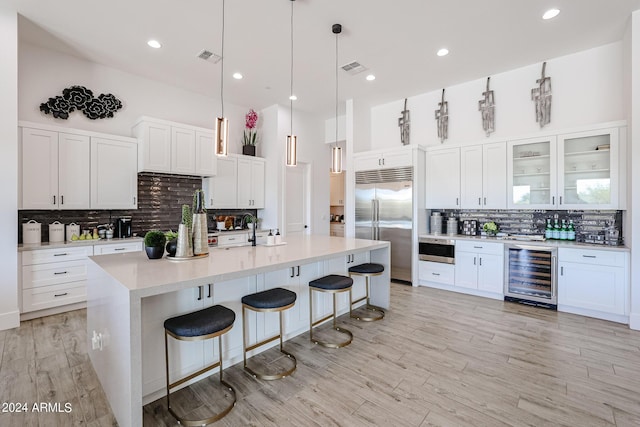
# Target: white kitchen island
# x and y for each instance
(130, 296)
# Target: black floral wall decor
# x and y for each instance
(80, 98)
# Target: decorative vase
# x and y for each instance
(154, 252)
(249, 150)
(200, 238)
(184, 247)
(172, 246)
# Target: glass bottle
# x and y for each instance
(563, 230)
(556, 230)
(548, 231)
(571, 232)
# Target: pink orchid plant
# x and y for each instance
(250, 133)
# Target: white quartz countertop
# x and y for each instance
(145, 277)
(76, 243)
(553, 243)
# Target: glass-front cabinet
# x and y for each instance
(532, 173)
(588, 172)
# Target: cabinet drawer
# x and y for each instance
(38, 275)
(233, 239)
(479, 247)
(53, 296)
(436, 272)
(117, 248)
(42, 256)
(592, 256)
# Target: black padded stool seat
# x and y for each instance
(271, 298)
(276, 299)
(368, 268)
(202, 322)
(332, 282)
(200, 325)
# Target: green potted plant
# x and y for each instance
(249, 138)
(250, 224)
(154, 244)
(490, 228)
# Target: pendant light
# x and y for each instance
(292, 140)
(222, 123)
(336, 152)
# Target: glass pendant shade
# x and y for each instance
(336, 159)
(292, 147)
(222, 136)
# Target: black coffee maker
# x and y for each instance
(122, 227)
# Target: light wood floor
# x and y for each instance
(438, 358)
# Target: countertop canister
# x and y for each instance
(72, 229)
(31, 232)
(436, 223)
(56, 232)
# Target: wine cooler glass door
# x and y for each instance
(531, 273)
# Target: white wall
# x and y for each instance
(634, 174)
(45, 73)
(9, 314)
(587, 88)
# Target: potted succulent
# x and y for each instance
(249, 139)
(250, 223)
(154, 244)
(490, 228)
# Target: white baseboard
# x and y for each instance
(9, 320)
(634, 321)
(54, 310)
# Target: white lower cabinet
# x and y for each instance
(53, 277)
(323, 303)
(436, 273)
(117, 248)
(479, 265)
(593, 283)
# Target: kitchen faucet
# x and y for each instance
(254, 220)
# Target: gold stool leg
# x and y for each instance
(377, 312)
(335, 325)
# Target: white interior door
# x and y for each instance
(297, 199)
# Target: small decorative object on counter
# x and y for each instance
(56, 232)
(436, 223)
(73, 229)
(548, 231)
(470, 227)
(200, 228)
(184, 247)
(278, 237)
(31, 232)
(490, 228)
(172, 242)
(556, 229)
(452, 226)
(563, 230)
(571, 231)
(271, 240)
(154, 244)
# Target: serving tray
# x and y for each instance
(185, 258)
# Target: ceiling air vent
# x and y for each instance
(209, 56)
(354, 68)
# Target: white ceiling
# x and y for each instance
(397, 41)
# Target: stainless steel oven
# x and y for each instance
(531, 275)
(437, 250)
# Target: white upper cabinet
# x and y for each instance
(251, 182)
(471, 177)
(383, 159)
(176, 148)
(222, 190)
(588, 170)
(114, 177)
(494, 175)
(238, 184)
(54, 170)
(336, 189)
(532, 175)
(443, 179)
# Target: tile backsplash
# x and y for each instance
(534, 222)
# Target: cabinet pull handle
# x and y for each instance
(61, 295)
(62, 199)
(54, 200)
(562, 270)
(480, 261)
(60, 272)
(134, 200)
(298, 273)
(474, 260)
(479, 204)
(119, 249)
(199, 293)
(485, 200)
(553, 200)
(436, 274)
(292, 272)
(477, 247)
(560, 199)
(62, 254)
(209, 290)
(456, 201)
(211, 202)
(589, 256)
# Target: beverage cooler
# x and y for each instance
(531, 275)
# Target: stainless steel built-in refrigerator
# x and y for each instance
(384, 207)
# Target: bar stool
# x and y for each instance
(277, 299)
(200, 325)
(333, 284)
(367, 270)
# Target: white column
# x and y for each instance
(9, 314)
(634, 173)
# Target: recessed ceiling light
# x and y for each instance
(293, 97)
(154, 44)
(551, 13)
(371, 77)
(443, 52)
(237, 76)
